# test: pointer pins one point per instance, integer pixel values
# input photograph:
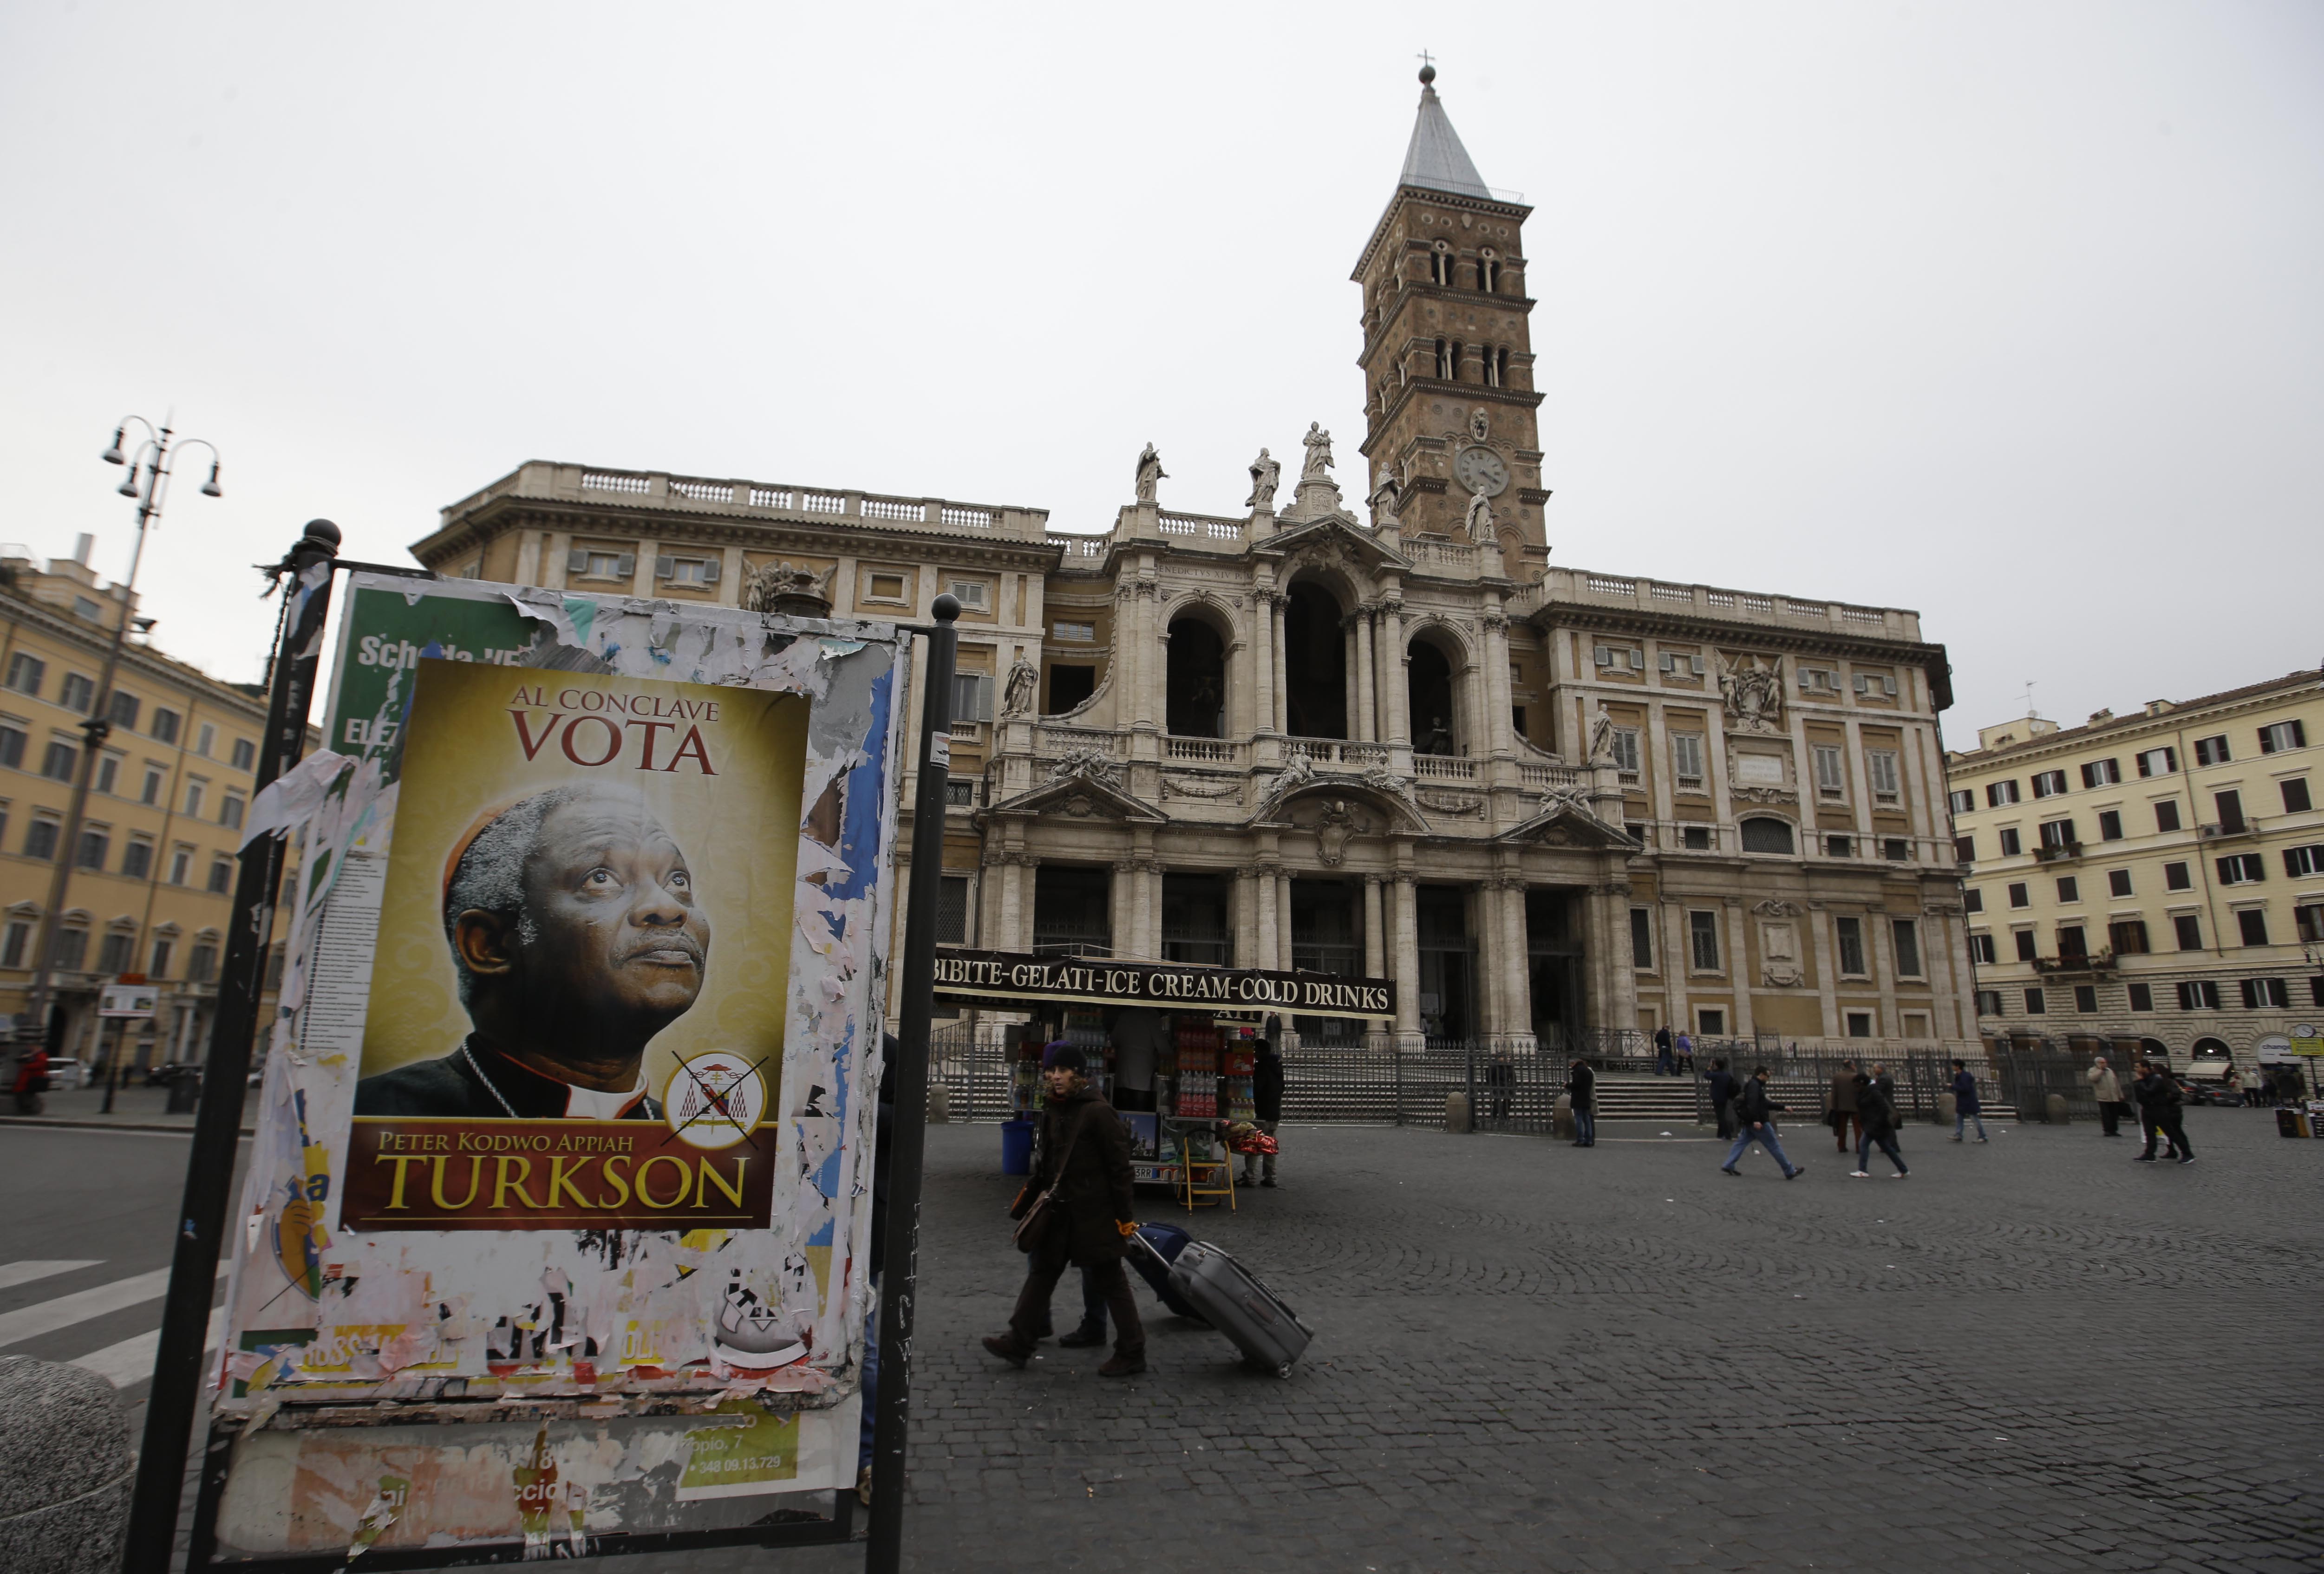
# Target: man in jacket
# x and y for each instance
(1581, 1092)
(1965, 1107)
(1757, 1111)
(2158, 1112)
(1665, 1065)
(1843, 1103)
(1876, 1121)
(1266, 1109)
(1723, 1089)
(1087, 1223)
(2107, 1089)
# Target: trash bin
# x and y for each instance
(1016, 1147)
(185, 1092)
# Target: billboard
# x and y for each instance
(558, 1206)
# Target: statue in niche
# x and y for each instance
(1480, 520)
(1024, 684)
(1318, 443)
(1384, 505)
(1753, 690)
(1601, 736)
(1150, 473)
(1265, 473)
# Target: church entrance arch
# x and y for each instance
(1432, 696)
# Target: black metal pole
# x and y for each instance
(909, 1130)
(176, 1394)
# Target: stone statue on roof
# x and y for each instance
(1150, 473)
(1318, 443)
(1265, 472)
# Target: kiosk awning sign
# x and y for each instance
(1004, 976)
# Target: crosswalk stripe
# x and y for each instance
(24, 1273)
(48, 1316)
(131, 1361)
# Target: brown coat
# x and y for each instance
(1843, 1093)
(1095, 1193)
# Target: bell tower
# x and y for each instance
(1449, 400)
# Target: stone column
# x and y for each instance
(1598, 953)
(1121, 922)
(1262, 661)
(1393, 661)
(1520, 953)
(1738, 966)
(1350, 684)
(1366, 727)
(993, 930)
(1819, 926)
(1617, 948)
(1263, 901)
(1149, 675)
(1246, 920)
(1493, 994)
(1498, 739)
(1407, 958)
(1017, 901)
(1146, 904)
(1129, 656)
(1275, 605)
(1374, 958)
(1883, 942)
(1283, 919)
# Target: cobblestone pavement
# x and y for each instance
(2032, 1355)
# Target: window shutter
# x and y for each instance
(626, 565)
(576, 561)
(665, 566)
(2299, 733)
(710, 567)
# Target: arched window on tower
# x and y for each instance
(1501, 367)
(1452, 366)
(1489, 273)
(1497, 361)
(1444, 359)
(1440, 265)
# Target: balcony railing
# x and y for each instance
(1203, 750)
(2225, 830)
(2049, 853)
(1337, 752)
(2093, 964)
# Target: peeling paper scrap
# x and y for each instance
(292, 799)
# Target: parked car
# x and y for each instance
(2191, 1091)
(65, 1072)
(168, 1072)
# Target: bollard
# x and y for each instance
(1948, 1108)
(939, 1104)
(65, 1469)
(1560, 1124)
(1456, 1112)
(2054, 1110)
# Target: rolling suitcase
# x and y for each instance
(1164, 1242)
(1225, 1295)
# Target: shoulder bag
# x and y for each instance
(1034, 1229)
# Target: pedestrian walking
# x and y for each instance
(1966, 1108)
(2107, 1089)
(1755, 1110)
(1876, 1122)
(2159, 1114)
(1581, 1092)
(1684, 1048)
(1501, 1085)
(1266, 1110)
(1076, 1211)
(1842, 1108)
(1723, 1089)
(1663, 1065)
(2234, 1082)
(32, 1080)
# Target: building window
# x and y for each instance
(2211, 751)
(1965, 850)
(78, 694)
(201, 962)
(1906, 934)
(2098, 773)
(108, 772)
(1999, 793)
(971, 696)
(2049, 784)
(2117, 882)
(1703, 934)
(1626, 748)
(2019, 897)
(2177, 877)
(952, 910)
(1831, 774)
(2109, 824)
(1762, 834)
(1896, 850)
(124, 710)
(165, 726)
(2035, 1005)
(2072, 941)
(230, 812)
(2127, 937)
(1989, 1002)
(72, 949)
(154, 780)
(2158, 762)
(2012, 844)
(1686, 757)
(1711, 1021)
(26, 673)
(2295, 795)
(2242, 868)
(582, 563)
(2309, 922)
(2253, 923)
(12, 746)
(1815, 681)
(1859, 1024)
(2057, 834)
(2304, 861)
(2026, 948)
(182, 866)
(19, 938)
(137, 860)
(2266, 995)
(2188, 930)
(1881, 763)
(2230, 807)
(1980, 949)
(114, 956)
(1697, 838)
(159, 967)
(1447, 366)
(694, 573)
(221, 875)
(2086, 999)
(2199, 995)
(1073, 633)
(1973, 899)
(40, 840)
(2166, 814)
(1440, 269)
(96, 843)
(2142, 997)
(245, 754)
(1850, 934)
(206, 738)
(1642, 939)
(1875, 683)
(1682, 666)
(1961, 800)
(59, 762)
(2282, 736)
(1620, 657)
(1838, 847)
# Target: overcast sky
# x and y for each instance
(2011, 313)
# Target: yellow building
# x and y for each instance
(2155, 880)
(152, 878)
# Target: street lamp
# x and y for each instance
(147, 481)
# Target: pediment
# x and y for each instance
(1326, 802)
(1085, 791)
(1333, 537)
(1567, 822)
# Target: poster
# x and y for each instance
(559, 1199)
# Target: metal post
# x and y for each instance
(209, 1169)
(883, 1553)
(113, 1061)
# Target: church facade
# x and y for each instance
(1378, 736)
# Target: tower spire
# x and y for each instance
(1435, 159)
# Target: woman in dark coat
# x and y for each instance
(1875, 1125)
(1093, 1218)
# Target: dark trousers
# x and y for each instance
(1585, 1125)
(1107, 1278)
(1885, 1139)
(2110, 1113)
(1840, 1120)
(2165, 1124)
(1726, 1118)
